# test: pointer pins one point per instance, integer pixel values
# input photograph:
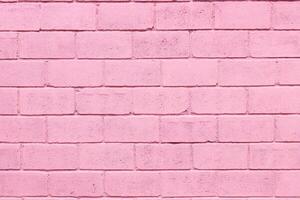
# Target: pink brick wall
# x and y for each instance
(149, 100)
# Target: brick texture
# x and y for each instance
(149, 100)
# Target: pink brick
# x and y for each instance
(163, 44)
(132, 73)
(131, 129)
(8, 101)
(75, 73)
(239, 15)
(188, 129)
(46, 156)
(76, 184)
(192, 72)
(22, 129)
(163, 156)
(220, 156)
(47, 45)
(284, 100)
(274, 43)
(104, 45)
(104, 101)
(10, 156)
(106, 156)
(160, 100)
(286, 15)
(247, 72)
(75, 129)
(287, 128)
(132, 184)
(218, 100)
(219, 43)
(47, 101)
(23, 184)
(185, 184)
(8, 45)
(246, 128)
(275, 156)
(120, 16)
(245, 183)
(20, 16)
(289, 72)
(22, 73)
(287, 183)
(181, 16)
(58, 16)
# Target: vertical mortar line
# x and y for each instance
(278, 70)
(249, 54)
(154, 16)
(75, 46)
(213, 5)
(271, 15)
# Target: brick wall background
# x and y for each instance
(150, 100)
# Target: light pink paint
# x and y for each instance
(149, 100)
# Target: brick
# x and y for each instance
(106, 156)
(104, 101)
(49, 156)
(47, 101)
(22, 129)
(289, 72)
(58, 16)
(220, 156)
(132, 73)
(192, 72)
(120, 16)
(186, 184)
(134, 129)
(160, 100)
(246, 128)
(161, 44)
(77, 73)
(76, 184)
(22, 73)
(239, 15)
(247, 72)
(181, 16)
(218, 100)
(284, 100)
(286, 15)
(8, 45)
(287, 183)
(104, 45)
(275, 156)
(10, 156)
(287, 128)
(245, 183)
(163, 156)
(47, 45)
(188, 129)
(8, 101)
(21, 16)
(23, 184)
(219, 44)
(274, 44)
(71, 129)
(132, 184)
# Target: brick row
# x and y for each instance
(150, 72)
(150, 44)
(143, 16)
(134, 184)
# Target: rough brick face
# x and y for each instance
(149, 100)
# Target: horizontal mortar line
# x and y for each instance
(153, 30)
(156, 142)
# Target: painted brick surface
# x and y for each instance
(149, 100)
